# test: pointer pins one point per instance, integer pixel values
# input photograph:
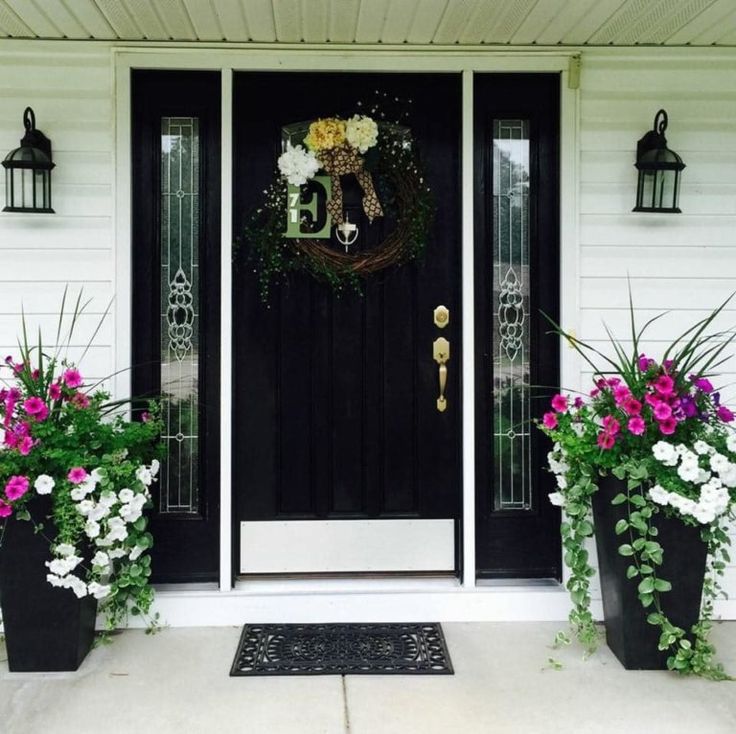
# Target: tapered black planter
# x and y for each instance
(631, 638)
(46, 628)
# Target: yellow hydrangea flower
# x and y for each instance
(325, 134)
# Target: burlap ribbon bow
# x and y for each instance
(339, 162)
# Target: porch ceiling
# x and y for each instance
(440, 22)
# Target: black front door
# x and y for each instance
(335, 415)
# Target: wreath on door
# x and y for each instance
(286, 233)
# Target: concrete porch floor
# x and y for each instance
(177, 681)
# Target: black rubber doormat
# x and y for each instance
(342, 649)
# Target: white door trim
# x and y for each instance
(466, 61)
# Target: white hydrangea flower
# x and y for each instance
(99, 591)
(44, 484)
(665, 453)
(659, 495)
(297, 164)
(361, 132)
(557, 499)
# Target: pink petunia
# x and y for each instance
(55, 391)
(578, 402)
(16, 487)
(145, 416)
(549, 420)
(668, 426)
(652, 399)
(662, 411)
(559, 403)
(620, 394)
(636, 425)
(664, 385)
(631, 406)
(702, 383)
(724, 414)
(34, 406)
(605, 440)
(645, 363)
(5, 509)
(611, 425)
(80, 400)
(25, 445)
(77, 475)
(72, 378)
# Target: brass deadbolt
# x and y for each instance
(441, 316)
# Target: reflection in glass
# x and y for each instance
(179, 312)
(510, 224)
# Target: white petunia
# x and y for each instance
(718, 463)
(557, 499)
(108, 499)
(136, 552)
(76, 585)
(98, 475)
(99, 512)
(688, 472)
(155, 466)
(126, 495)
(297, 164)
(54, 580)
(578, 428)
(143, 475)
(85, 507)
(561, 481)
(130, 513)
(92, 529)
(101, 559)
(78, 494)
(65, 550)
(704, 514)
(702, 448)
(99, 591)
(731, 443)
(44, 484)
(665, 453)
(118, 553)
(659, 495)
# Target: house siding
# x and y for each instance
(684, 263)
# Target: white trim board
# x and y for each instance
(347, 546)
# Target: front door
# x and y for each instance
(342, 461)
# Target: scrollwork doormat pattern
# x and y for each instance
(342, 649)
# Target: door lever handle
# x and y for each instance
(441, 352)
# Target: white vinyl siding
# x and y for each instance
(72, 96)
(683, 262)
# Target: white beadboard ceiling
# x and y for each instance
(440, 22)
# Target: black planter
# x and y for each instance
(46, 628)
(631, 638)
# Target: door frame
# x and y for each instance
(306, 58)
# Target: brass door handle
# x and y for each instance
(441, 352)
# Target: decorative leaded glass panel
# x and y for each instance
(511, 414)
(179, 312)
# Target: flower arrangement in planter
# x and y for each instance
(75, 479)
(651, 453)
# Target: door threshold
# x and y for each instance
(346, 583)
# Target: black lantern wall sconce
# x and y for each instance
(28, 171)
(659, 169)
